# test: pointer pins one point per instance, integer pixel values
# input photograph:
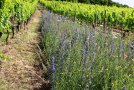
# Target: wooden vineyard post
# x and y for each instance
(105, 21)
(0, 34)
(12, 31)
(123, 32)
(7, 37)
(12, 26)
(74, 15)
(96, 19)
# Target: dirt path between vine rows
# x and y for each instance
(22, 71)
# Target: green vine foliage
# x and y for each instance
(20, 9)
(115, 16)
(3, 57)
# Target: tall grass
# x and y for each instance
(83, 59)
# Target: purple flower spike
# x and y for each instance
(123, 88)
(53, 65)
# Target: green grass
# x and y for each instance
(3, 38)
(3, 57)
(3, 85)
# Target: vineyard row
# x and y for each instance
(122, 18)
(15, 13)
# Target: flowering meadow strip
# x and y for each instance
(83, 59)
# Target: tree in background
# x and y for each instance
(100, 2)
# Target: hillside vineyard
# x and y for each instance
(122, 18)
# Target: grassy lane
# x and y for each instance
(21, 71)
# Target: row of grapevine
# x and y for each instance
(122, 18)
(6, 12)
(15, 10)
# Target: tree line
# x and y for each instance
(100, 2)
